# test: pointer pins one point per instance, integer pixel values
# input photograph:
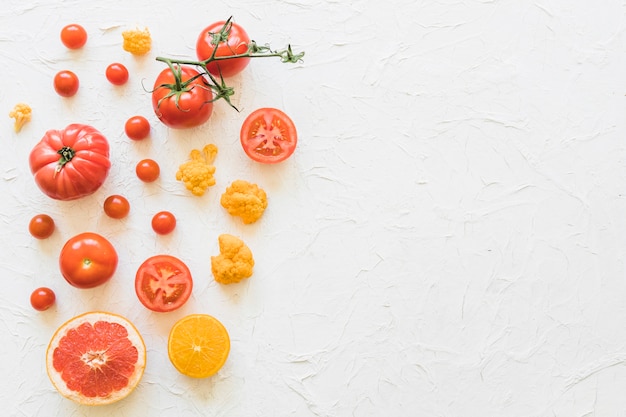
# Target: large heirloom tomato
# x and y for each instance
(182, 99)
(87, 260)
(236, 43)
(70, 163)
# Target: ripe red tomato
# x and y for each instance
(163, 283)
(41, 226)
(70, 163)
(87, 260)
(185, 104)
(147, 170)
(268, 135)
(66, 83)
(236, 44)
(117, 74)
(116, 206)
(73, 36)
(42, 298)
(163, 222)
(137, 128)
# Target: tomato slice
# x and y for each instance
(268, 136)
(163, 283)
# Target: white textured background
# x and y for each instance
(448, 239)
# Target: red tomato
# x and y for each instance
(41, 226)
(42, 298)
(87, 260)
(268, 136)
(147, 170)
(137, 128)
(163, 222)
(184, 104)
(235, 44)
(66, 83)
(73, 36)
(117, 74)
(116, 206)
(163, 283)
(70, 163)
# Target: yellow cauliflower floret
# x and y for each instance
(22, 114)
(197, 173)
(234, 263)
(137, 41)
(245, 200)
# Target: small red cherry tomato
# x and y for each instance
(147, 170)
(87, 260)
(116, 206)
(41, 226)
(73, 36)
(268, 135)
(163, 283)
(137, 128)
(42, 298)
(163, 222)
(66, 83)
(117, 74)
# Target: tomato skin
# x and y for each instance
(66, 83)
(147, 170)
(163, 283)
(236, 44)
(42, 298)
(187, 108)
(117, 73)
(85, 171)
(73, 36)
(137, 128)
(116, 206)
(41, 226)
(268, 144)
(163, 222)
(87, 260)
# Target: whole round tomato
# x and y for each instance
(70, 163)
(163, 283)
(182, 103)
(163, 222)
(137, 128)
(66, 83)
(87, 260)
(236, 43)
(41, 226)
(268, 135)
(116, 206)
(117, 73)
(148, 170)
(73, 36)
(42, 298)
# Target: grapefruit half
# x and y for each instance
(96, 358)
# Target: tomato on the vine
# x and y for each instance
(87, 260)
(137, 128)
(116, 206)
(41, 226)
(42, 298)
(163, 283)
(73, 36)
(235, 44)
(163, 222)
(183, 103)
(70, 163)
(117, 74)
(66, 83)
(268, 135)
(147, 170)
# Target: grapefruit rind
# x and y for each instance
(92, 317)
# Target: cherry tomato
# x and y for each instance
(42, 298)
(87, 260)
(117, 74)
(236, 44)
(147, 170)
(163, 283)
(116, 206)
(185, 104)
(41, 226)
(137, 128)
(73, 36)
(268, 135)
(163, 222)
(66, 83)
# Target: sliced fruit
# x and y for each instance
(198, 345)
(96, 358)
(163, 283)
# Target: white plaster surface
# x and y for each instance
(448, 240)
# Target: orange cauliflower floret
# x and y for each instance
(234, 263)
(197, 173)
(22, 114)
(245, 200)
(137, 41)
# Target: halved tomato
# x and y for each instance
(268, 135)
(163, 283)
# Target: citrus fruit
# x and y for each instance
(96, 358)
(198, 345)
